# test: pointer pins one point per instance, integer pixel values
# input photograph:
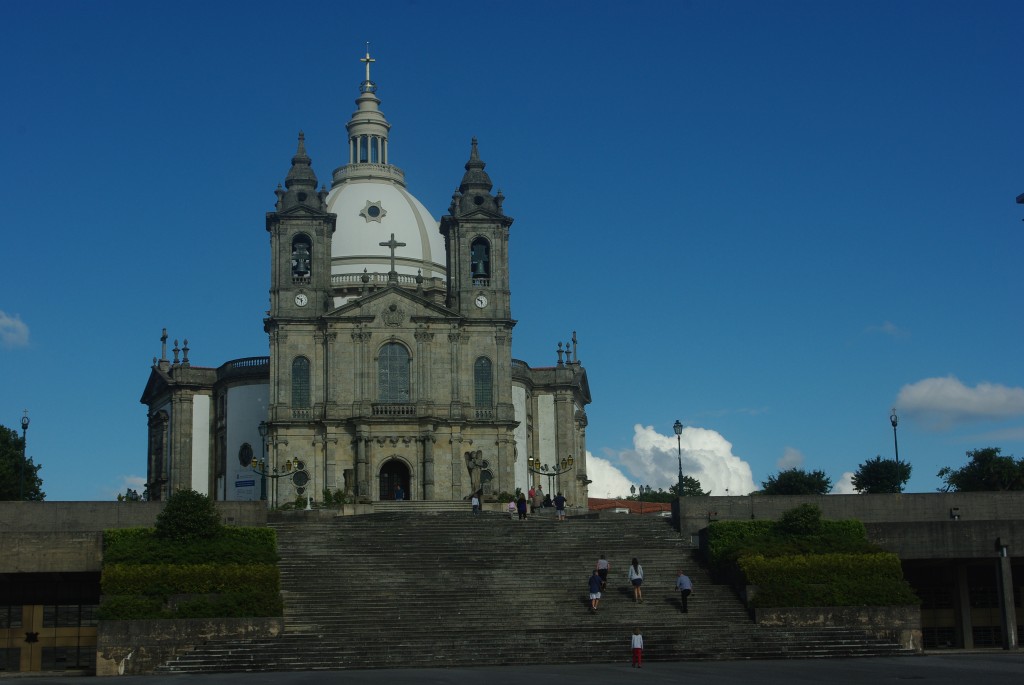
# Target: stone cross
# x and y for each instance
(392, 275)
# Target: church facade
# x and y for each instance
(390, 371)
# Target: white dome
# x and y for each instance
(369, 212)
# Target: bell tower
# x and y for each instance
(300, 244)
(476, 234)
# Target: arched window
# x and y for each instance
(480, 258)
(482, 382)
(302, 258)
(300, 383)
(393, 373)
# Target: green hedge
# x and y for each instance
(230, 545)
(728, 541)
(827, 580)
(226, 605)
(231, 574)
(161, 579)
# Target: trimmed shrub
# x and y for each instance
(230, 546)
(188, 515)
(828, 580)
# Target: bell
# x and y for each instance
(478, 269)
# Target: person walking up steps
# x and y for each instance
(636, 577)
(685, 587)
(595, 590)
(602, 570)
(638, 648)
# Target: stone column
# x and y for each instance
(964, 630)
(1005, 588)
(428, 465)
(362, 485)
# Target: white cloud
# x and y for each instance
(13, 331)
(706, 456)
(791, 458)
(940, 402)
(890, 329)
(607, 481)
(845, 485)
(137, 483)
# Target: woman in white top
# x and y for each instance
(636, 577)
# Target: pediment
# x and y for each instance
(157, 384)
(393, 307)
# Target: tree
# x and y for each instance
(797, 482)
(877, 476)
(188, 515)
(12, 458)
(691, 488)
(985, 470)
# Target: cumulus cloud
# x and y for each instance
(607, 480)
(791, 458)
(13, 331)
(844, 486)
(653, 460)
(941, 402)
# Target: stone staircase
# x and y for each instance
(437, 588)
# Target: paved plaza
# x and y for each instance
(990, 667)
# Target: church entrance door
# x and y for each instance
(394, 472)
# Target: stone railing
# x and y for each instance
(394, 409)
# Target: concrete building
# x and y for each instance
(390, 366)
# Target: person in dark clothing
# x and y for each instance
(595, 590)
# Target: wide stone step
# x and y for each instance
(411, 587)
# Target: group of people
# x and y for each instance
(599, 582)
(537, 499)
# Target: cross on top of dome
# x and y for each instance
(367, 86)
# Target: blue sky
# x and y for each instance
(771, 221)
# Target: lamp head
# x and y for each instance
(677, 427)
(893, 418)
(24, 421)
(262, 429)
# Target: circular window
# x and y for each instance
(373, 211)
(302, 197)
(300, 479)
(479, 199)
(245, 454)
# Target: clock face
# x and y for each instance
(301, 299)
(481, 301)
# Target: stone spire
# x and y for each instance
(475, 189)
(300, 184)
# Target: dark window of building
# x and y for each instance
(300, 383)
(480, 260)
(393, 373)
(245, 454)
(483, 383)
(302, 259)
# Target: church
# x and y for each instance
(390, 372)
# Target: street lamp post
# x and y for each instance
(893, 419)
(261, 467)
(552, 472)
(678, 428)
(263, 451)
(24, 454)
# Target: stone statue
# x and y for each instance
(475, 463)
